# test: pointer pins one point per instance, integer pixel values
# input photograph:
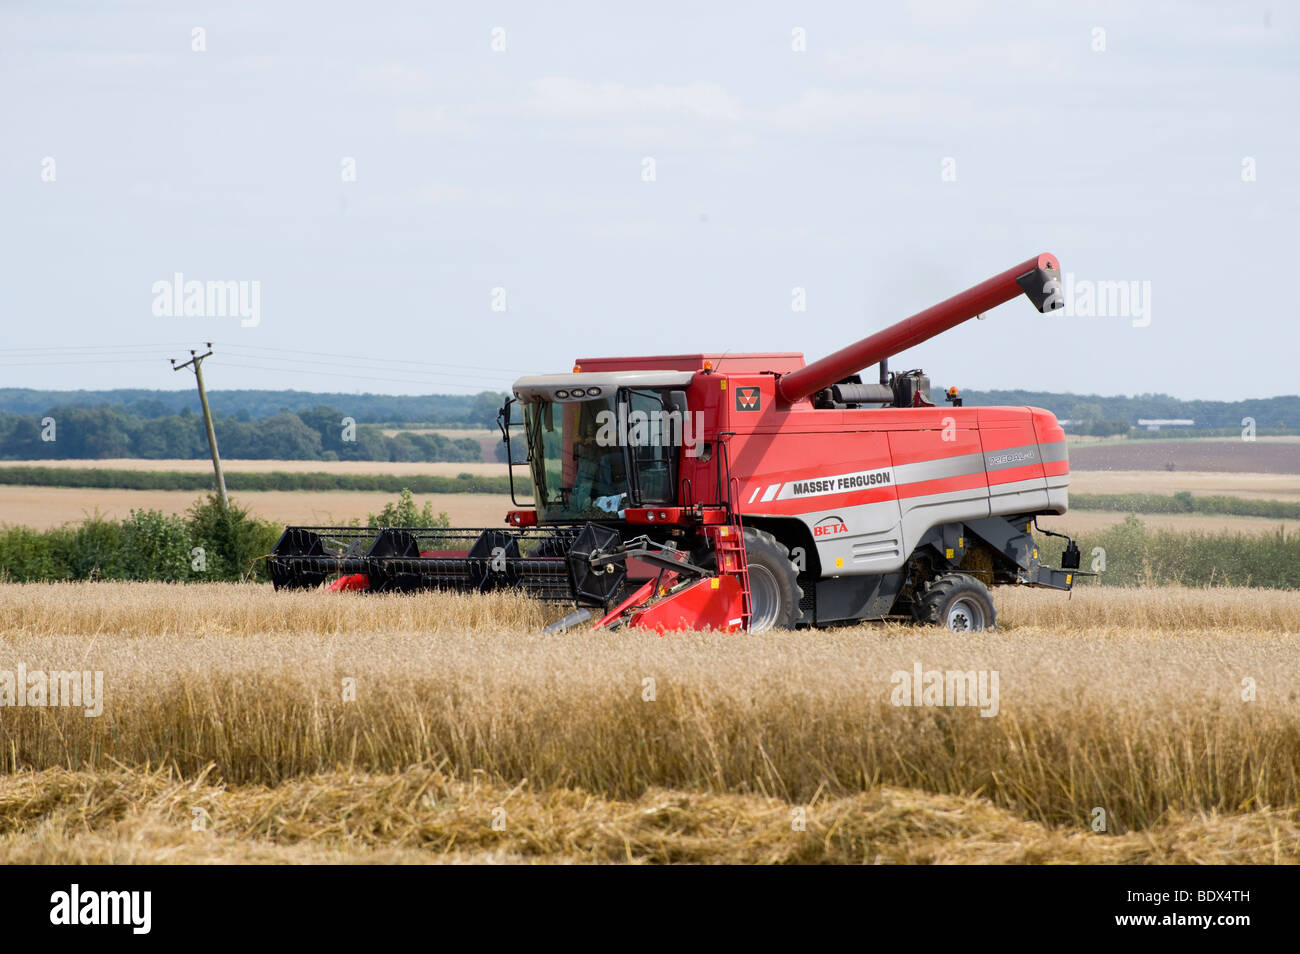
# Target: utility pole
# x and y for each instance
(197, 361)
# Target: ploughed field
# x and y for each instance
(239, 724)
(1264, 455)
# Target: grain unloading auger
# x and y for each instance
(751, 492)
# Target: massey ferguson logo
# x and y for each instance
(747, 399)
(829, 526)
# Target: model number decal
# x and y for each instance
(839, 484)
(1010, 458)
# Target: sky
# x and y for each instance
(439, 198)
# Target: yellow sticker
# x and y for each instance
(839, 562)
(1035, 553)
(723, 383)
(1068, 578)
(961, 541)
(948, 553)
(713, 583)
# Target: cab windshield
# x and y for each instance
(580, 452)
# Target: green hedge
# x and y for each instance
(209, 543)
(1185, 502)
(1136, 555)
(154, 546)
(240, 481)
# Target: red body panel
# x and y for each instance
(712, 603)
(777, 444)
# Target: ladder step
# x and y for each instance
(735, 546)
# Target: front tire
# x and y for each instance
(959, 603)
(773, 588)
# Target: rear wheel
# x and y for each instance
(957, 602)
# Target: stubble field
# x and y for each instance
(230, 732)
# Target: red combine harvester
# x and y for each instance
(749, 491)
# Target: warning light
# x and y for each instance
(708, 366)
(577, 369)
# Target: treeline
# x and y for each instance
(1186, 502)
(238, 480)
(321, 433)
(435, 410)
(207, 544)
(1096, 409)
(1136, 555)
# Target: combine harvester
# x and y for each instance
(749, 491)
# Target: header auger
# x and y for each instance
(672, 492)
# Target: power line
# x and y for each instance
(94, 348)
(350, 364)
(360, 377)
(196, 361)
(120, 352)
(382, 361)
(42, 364)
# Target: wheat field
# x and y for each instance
(241, 724)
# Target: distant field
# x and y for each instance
(1262, 486)
(204, 465)
(43, 507)
(1222, 454)
(1078, 522)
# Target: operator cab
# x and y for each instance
(599, 443)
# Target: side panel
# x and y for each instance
(941, 476)
(870, 483)
(1056, 459)
(850, 505)
(857, 597)
(1013, 461)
